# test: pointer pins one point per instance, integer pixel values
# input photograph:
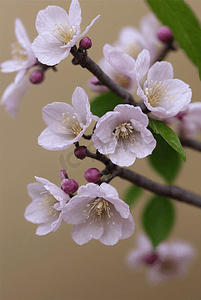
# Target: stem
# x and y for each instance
(173, 192)
(191, 144)
(85, 61)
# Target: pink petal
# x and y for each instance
(75, 13)
(21, 34)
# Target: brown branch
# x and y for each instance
(172, 192)
(85, 61)
(193, 144)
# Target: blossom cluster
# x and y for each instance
(166, 262)
(95, 209)
(96, 212)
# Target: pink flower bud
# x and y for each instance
(164, 34)
(36, 77)
(63, 174)
(85, 43)
(94, 80)
(80, 152)
(150, 259)
(92, 175)
(69, 186)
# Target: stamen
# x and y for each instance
(63, 33)
(122, 80)
(73, 125)
(18, 52)
(47, 205)
(158, 93)
(98, 210)
(124, 132)
(168, 266)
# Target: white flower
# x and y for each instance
(47, 203)
(98, 213)
(131, 41)
(164, 96)
(123, 135)
(58, 32)
(189, 121)
(66, 124)
(13, 95)
(23, 55)
(166, 262)
(149, 26)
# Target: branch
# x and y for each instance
(85, 61)
(173, 192)
(196, 145)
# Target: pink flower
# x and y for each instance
(47, 203)
(166, 262)
(164, 96)
(13, 95)
(123, 135)
(189, 121)
(23, 55)
(58, 32)
(131, 41)
(66, 124)
(97, 212)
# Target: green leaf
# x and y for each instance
(179, 17)
(132, 194)
(104, 103)
(158, 219)
(169, 135)
(165, 160)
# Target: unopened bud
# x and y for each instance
(92, 175)
(63, 174)
(151, 259)
(36, 77)
(69, 186)
(164, 34)
(85, 43)
(80, 152)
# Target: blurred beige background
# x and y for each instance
(54, 267)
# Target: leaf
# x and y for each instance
(104, 103)
(158, 219)
(179, 17)
(169, 135)
(132, 194)
(165, 160)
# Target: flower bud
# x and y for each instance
(150, 259)
(92, 175)
(69, 186)
(63, 174)
(85, 43)
(80, 152)
(94, 80)
(164, 34)
(36, 77)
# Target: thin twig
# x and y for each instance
(173, 192)
(85, 61)
(193, 144)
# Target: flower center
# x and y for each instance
(168, 266)
(63, 33)
(124, 131)
(122, 80)
(133, 49)
(98, 210)
(47, 205)
(18, 52)
(159, 91)
(73, 125)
